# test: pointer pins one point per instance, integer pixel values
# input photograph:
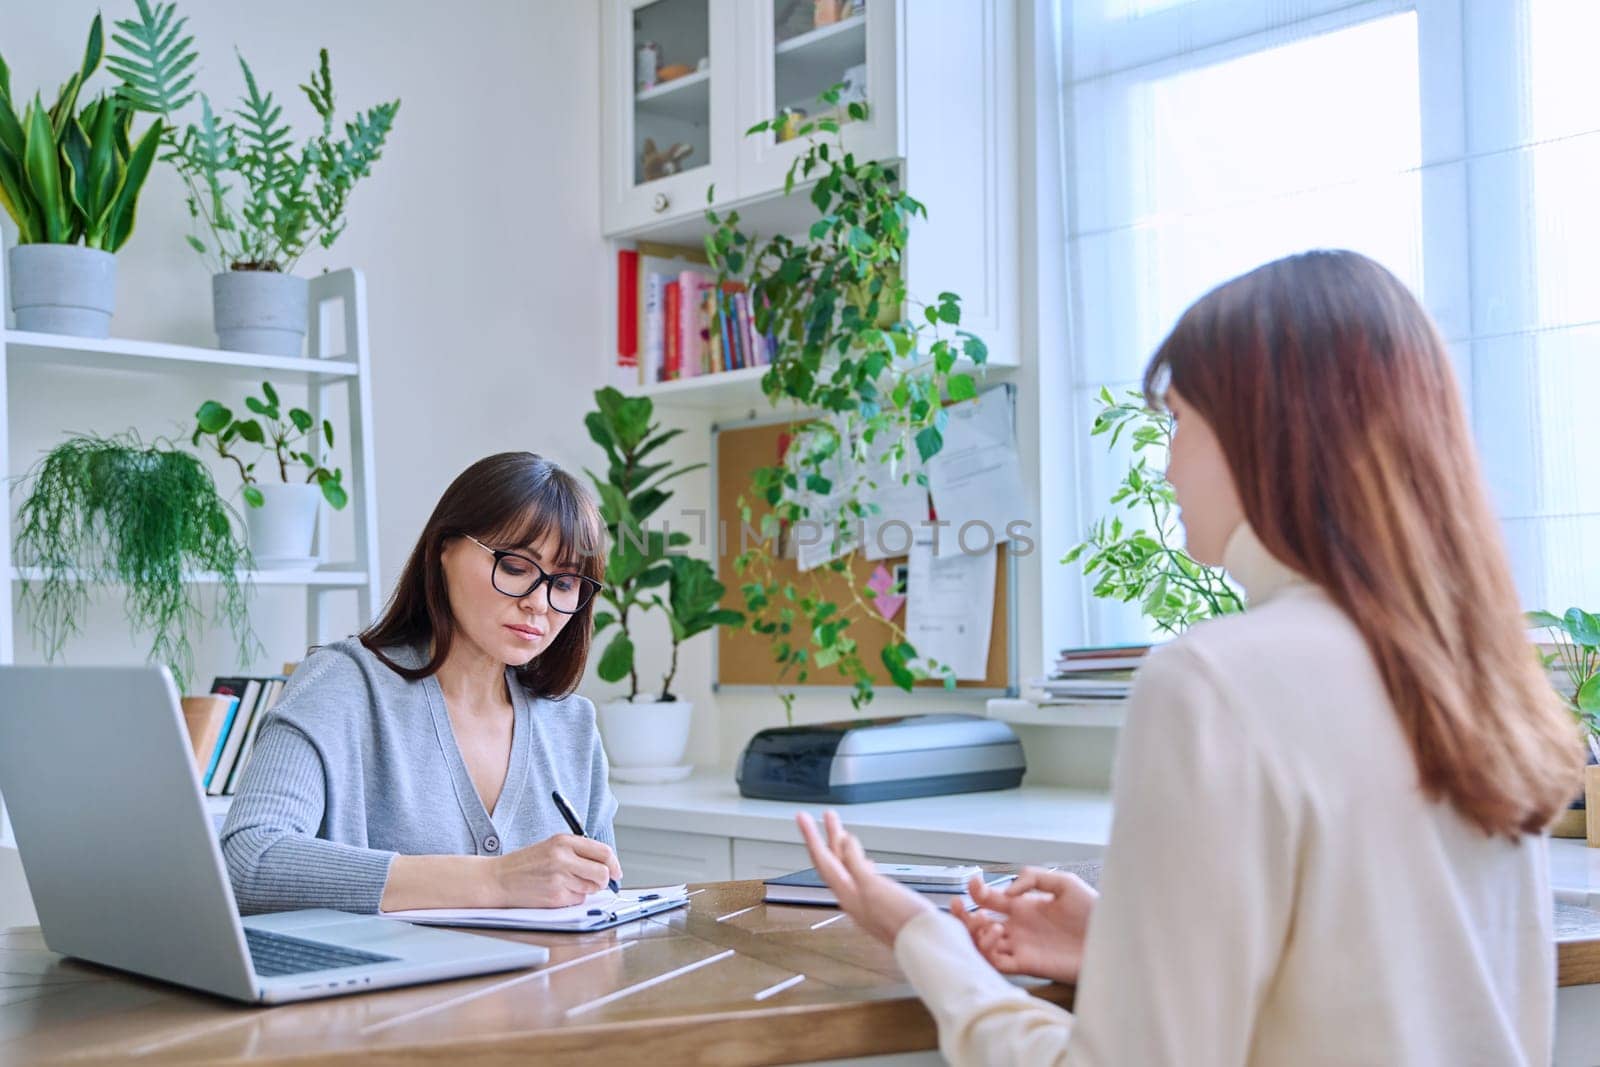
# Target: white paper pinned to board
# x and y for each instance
(977, 475)
(950, 607)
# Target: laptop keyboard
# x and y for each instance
(276, 954)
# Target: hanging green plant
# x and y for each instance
(850, 344)
(1138, 561)
(113, 510)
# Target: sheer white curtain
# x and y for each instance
(1455, 141)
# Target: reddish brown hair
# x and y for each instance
(1333, 399)
(513, 498)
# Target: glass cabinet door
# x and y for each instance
(671, 89)
(799, 49)
(817, 44)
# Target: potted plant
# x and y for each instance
(70, 179)
(850, 344)
(1137, 562)
(281, 513)
(1573, 661)
(262, 200)
(645, 734)
(113, 510)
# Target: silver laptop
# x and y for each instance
(125, 869)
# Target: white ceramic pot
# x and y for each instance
(260, 311)
(63, 289)
(645, 739)
(281, 530)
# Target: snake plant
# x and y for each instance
(69, 176)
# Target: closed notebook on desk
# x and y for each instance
(600, 911)
(807, 887)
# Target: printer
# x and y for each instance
(881, 759)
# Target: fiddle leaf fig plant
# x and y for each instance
(290, 439)
(642, 561)
(1138, 561)
(288, 197)
(1576, 659)
(693, 605)
(850, 343)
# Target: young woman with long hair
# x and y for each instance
(1326, 843)
(412, 766)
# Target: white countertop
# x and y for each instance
(1574, 869)
(1033, 824)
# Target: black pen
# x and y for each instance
(577, 827)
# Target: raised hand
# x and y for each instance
(879, 905)
(1035, 925)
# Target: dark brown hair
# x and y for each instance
(513, 498)
(1334, 401)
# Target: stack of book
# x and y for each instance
(674, 321)
(1092, 674)
(249, 700)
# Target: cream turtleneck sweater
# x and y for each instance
(1276, 889)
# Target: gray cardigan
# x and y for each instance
(356, 764)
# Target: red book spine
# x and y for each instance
(627, 308)
(673, 362)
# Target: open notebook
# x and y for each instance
(597, 912)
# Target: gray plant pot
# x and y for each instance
(260, 311)
(63, 289)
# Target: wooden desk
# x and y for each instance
(729, 980)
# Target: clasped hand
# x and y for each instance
(1035, 925)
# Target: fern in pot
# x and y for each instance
(70, 179)
(281, 500)
(259, 199)
(646, 732)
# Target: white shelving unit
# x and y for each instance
(337, 338)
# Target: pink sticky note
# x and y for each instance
(885, 600)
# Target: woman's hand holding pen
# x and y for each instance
(1044, 918)
(556, 873)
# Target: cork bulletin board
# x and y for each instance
(744, 658)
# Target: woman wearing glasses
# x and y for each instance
(413, 767)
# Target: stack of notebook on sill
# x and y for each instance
(1092, 674)
(939, 884)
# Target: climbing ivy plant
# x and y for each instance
(870, 368)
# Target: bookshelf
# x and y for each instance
(340, 361)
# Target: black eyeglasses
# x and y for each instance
(518, 576)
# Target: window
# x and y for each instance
(1455, 141)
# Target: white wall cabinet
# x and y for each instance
(694, 111)
(939, 79)
(773, 859)
(667, 857)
